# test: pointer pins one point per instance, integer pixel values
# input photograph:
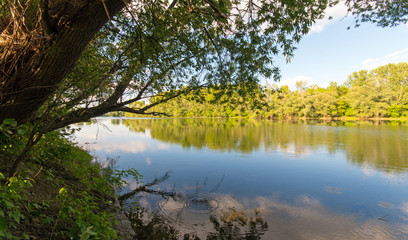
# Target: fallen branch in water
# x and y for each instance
(144, 188)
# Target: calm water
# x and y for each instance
(286, 180)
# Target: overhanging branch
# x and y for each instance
(139, 111)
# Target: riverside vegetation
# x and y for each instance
(59, 191)
(379, 93)
(64, 62)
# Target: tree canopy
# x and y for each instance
(68, 61)
(147, 48)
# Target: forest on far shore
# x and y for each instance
(379, 93)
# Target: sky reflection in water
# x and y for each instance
(309, 180)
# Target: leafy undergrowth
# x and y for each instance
(58, 193)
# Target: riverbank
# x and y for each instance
(60, 192)
(294, 118)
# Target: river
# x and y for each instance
(252, 179)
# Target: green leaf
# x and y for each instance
(46, 220)
(10, 121)
(71, 209)
(3, 224)
(16, 215)
(88, 232)
(64, 212)
(36, 205)
(9, 205)
(8, 235)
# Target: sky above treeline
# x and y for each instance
(331, 52)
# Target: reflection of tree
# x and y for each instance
(115, 121)
(154, 228)
(233, 225)
(378, 144)
(382, 147)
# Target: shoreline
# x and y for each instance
(343, 119)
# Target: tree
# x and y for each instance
(394, 78)
(66, 61)
(372, 92)
(147, 47)
(384, 13)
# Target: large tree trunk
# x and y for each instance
(25, 86)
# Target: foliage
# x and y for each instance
(150, 49)
(213, 102)
(82, 214)
(384, 13)
(31, 205)
(379, 93)
(64, 62)
(118, 177)
(145, 49)
(57, 71)
(12, 197)
(11, 138)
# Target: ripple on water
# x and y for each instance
(194, 212)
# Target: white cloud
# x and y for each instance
(163, 146)
(130, 146)
(336, 13)
(367, 170)
(148, 161)
(393, 178)
(404, 207)
(306, 218)
(291, 82)
(394, 57)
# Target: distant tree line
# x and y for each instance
(379, 93)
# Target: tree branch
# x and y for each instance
(138, 111)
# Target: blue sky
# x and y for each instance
(331, 52)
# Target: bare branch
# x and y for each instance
(172, 4)
(212, 41)
(106, 9)
(144, 188)
(138, 111)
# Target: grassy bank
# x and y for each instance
(58, 192)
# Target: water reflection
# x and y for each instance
(232, 225)
(380, 145)
(305, 180)
(257, 218)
